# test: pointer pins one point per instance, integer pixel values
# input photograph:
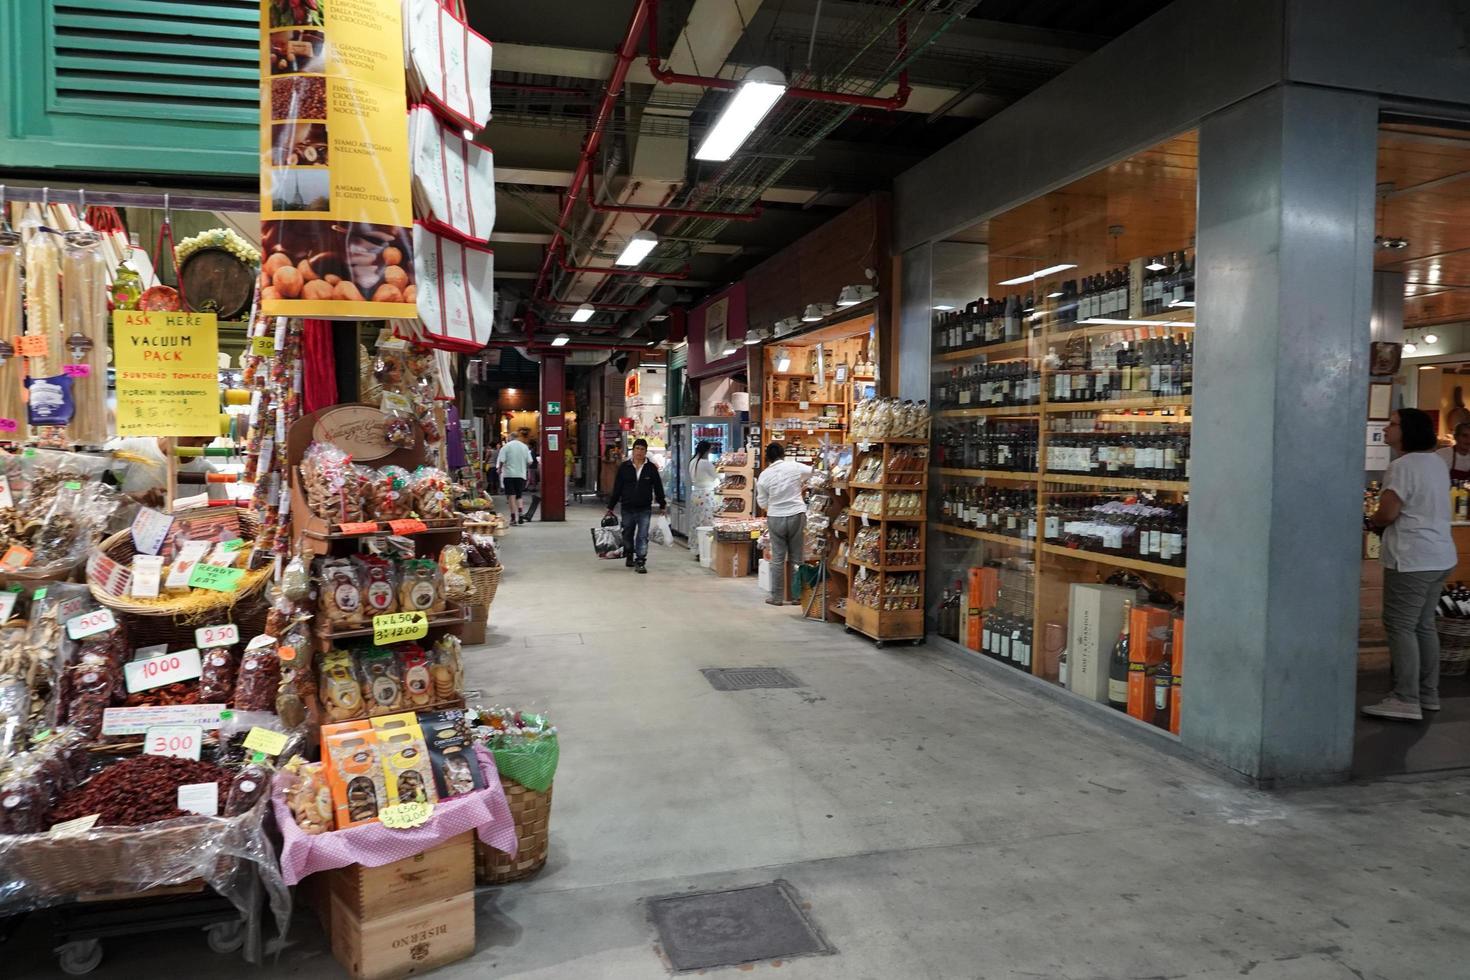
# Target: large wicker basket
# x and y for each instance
(531, 812)
(483, 583)
(1454, 646)
(173, 621)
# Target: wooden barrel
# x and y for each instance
(214, 281)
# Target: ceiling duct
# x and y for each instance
(659, 300)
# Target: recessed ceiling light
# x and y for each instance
(1038, 274)
(943, 307)
(561, 340)
(583, 313)
(1431, 338)
(1154, 265)
(1411, 348)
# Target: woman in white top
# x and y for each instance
(1457, 456)
(702, 482)
(1418, 555)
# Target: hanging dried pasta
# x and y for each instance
(43, 307)
(84, 306)
(12, 404)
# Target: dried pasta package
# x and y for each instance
(217, 676)
(381, 681)
(379, 585)
(418, 685)
(431, 493)
(338, 690)
(259, 676)
(420, 588)
(407, 774)
(341, 597)
(310, 798)
(354, 774)
(446, 668)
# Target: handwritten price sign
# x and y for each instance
(263, 346)
(90, 624)
(9, 425)
(182, 741)
(407, 526)
(144, 675)
(397, 627)
(215, 577)
(225, 635)
(75, 370)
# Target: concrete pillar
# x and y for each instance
(915, 341)
(1286, 223)
(553, 438)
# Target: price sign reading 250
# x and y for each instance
(224, 635)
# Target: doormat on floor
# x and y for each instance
(740, 925)
(747, 678)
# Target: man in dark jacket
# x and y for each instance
(635, 488)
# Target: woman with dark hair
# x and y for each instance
(702, 481)
(1418, 555)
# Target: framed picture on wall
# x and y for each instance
(1384, 358)
(1380, 401)
(716, 330)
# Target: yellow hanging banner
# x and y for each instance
(336, 206)
(167, 373)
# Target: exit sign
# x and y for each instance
(553, 408)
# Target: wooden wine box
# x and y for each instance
(435, 874)
(416, 940)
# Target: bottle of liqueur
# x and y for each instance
(1118, 664)
(1163, 678)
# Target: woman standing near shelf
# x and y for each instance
(1457, 455)
(1418, 555)
(702, 481)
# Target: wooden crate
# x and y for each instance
(438, 873)
(732, 559)
(414, 941)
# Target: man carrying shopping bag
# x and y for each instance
(634, 490)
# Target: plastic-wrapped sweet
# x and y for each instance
(456, 583)
(431, 493)
(392, 495)
(249, 785)
(260, 673)
(446, 668)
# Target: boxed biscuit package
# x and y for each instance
(456, 771)
(354, 772)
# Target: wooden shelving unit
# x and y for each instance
(1118, 561)
(741, 482)
(795, 403)
(1013, 411)
(887, 625)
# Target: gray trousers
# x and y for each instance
(1409, 599)
(786, 539)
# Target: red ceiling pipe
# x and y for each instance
(590, 145)
(544, 346)
(618, 271)
(669, 77)
(662, 212)
(601, 307)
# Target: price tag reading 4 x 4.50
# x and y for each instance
(182, 741)
(143, 675)
(397, 627)
(90, 624)
(224, 635)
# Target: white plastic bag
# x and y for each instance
(659, 531)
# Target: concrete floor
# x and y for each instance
(939, 824)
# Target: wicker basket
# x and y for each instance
(531, 812)
(483, 583)
(173, 621)
(1454, 646)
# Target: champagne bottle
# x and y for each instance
(1118, 664)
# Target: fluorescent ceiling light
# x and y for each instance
(1109, 322)
(943, 307)
(583, 313)
(1182, 302)
(1154, 265)
(759, 91)
(637, 249)
(561, 340)
(1038, 274)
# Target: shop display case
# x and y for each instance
(685, 433)
(812, 382)
(885, 536)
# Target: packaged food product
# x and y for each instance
(451, 753)
(341, 592)
(456, 582)
(379, 595)
(407, 774)
(338, 689)
(418, 685)
(217, 676)
(446, 668)
(310, 798)
(421, 587)
(431, 493)
(259, 676)
(392, 493)
(249, 785)
(354, 773)
(381, 680)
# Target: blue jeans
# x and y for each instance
(635, 532)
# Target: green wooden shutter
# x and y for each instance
(166, 86)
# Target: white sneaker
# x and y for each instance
(1394, 707)
(1426, 704)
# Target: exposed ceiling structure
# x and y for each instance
(946, 64)
(1423, 195)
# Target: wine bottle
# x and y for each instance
(1118, 664)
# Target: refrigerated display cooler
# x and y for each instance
(726, 433)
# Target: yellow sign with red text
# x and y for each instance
(167, 373)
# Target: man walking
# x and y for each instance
(778, 492)
(634, 489)
(514, 457)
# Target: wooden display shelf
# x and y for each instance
(969, 532)
(319, 530)
(1150, 403)
(858, 515)
(1148, 419)
(1015, 411)
(798, 401)
(1120, 482)
(885, 625)
(1020, 476)
(1178, 320)
(1010, 350)
(1138, 565)
(922, 485)
(461, 615)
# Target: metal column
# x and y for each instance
(553, 438)
(1285, 293)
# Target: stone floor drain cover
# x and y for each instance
(742, 925)
(747, 678)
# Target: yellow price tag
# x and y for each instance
(755, 535)
(265, 740)
(402, 816)
(397, 627)
(263, 346)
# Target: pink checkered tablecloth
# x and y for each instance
(483, 811)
